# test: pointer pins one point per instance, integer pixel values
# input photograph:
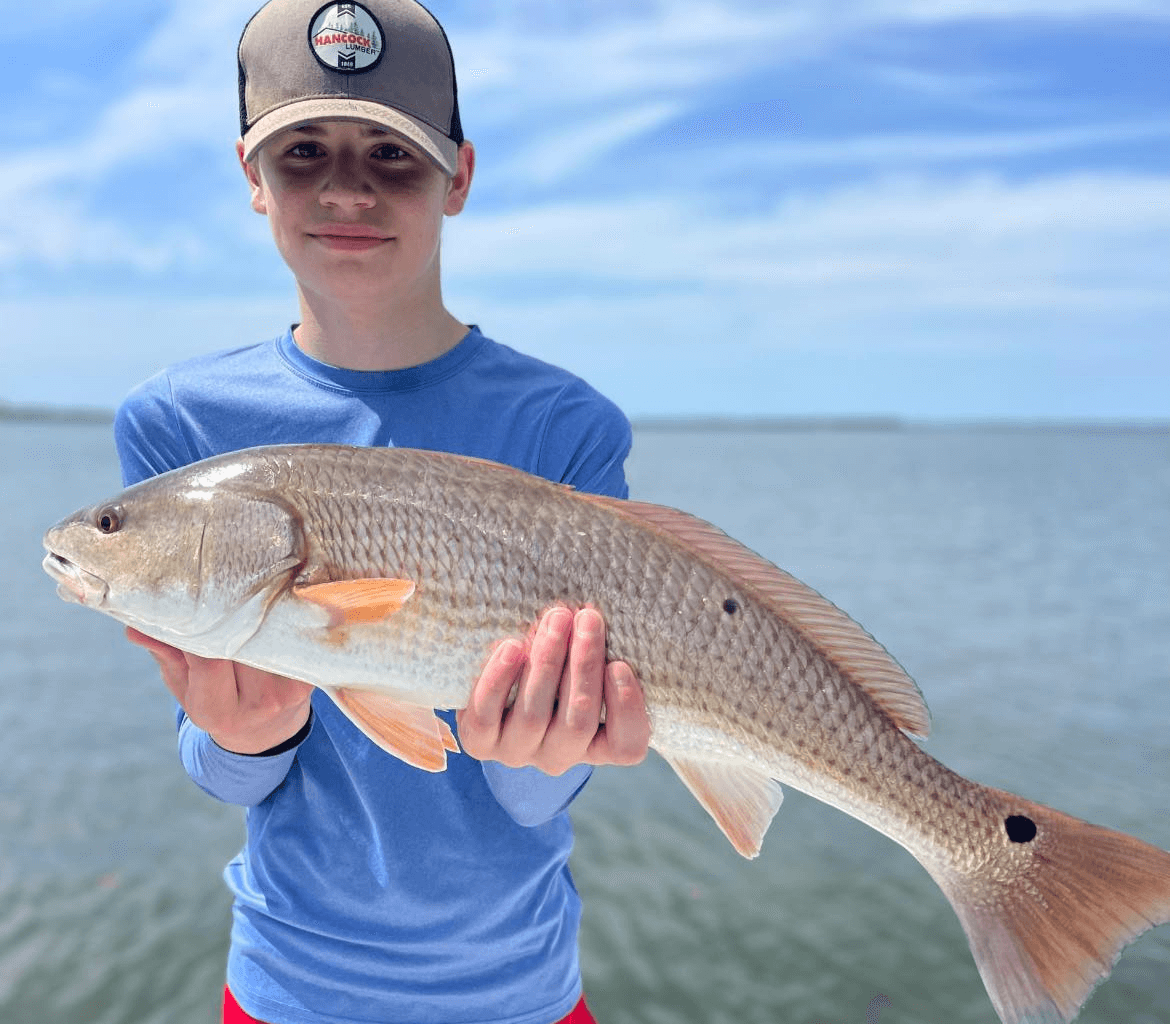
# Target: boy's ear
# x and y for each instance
(252, 173)
(460, 184)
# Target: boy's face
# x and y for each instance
(356, 212)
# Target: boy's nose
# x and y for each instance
(347, 186)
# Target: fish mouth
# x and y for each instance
(74, 584)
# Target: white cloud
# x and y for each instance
(512, 64)
(668, 308)
(1081, 239)
(961, 10)
(64, 236)
(181, 102)
(554, 156)
(196, 39)
(921, 148)
(670, 49)
(951, 85)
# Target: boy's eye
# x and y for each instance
(390, 152)
(305, 150)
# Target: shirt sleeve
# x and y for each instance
(147, 434)
(242, 779)
(149, 441)
(586, 442)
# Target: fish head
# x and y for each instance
(177, 557)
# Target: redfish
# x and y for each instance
(385, 577)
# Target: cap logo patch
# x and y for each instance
(346, 37)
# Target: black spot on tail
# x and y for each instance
(731, 606)
(1020, 829)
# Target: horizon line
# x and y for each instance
(729, 422)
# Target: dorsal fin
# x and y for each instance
(859, 657)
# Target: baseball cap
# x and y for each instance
(383, 62)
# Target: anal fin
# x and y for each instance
(411, 733)
(742, 800)
(449, 741)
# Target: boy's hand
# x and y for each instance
(245, 710)
(555, 721)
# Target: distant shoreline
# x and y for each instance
(10, 413)
(879, 424)
(18, 413)
(768, 424)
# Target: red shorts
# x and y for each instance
(232, 1014)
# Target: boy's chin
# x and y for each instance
(354, 277)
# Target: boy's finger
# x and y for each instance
(205, 688)
(540, 684)
(579, 709)
(156, 648)
(212, 700)
(172, 663)
(479, 722)
(625, 737)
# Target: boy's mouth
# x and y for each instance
(348, 236)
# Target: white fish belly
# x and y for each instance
(408, 654)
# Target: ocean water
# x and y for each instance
(1021, 575)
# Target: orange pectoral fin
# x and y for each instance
(414, 734)
(350, 602)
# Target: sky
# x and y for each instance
(931, 209)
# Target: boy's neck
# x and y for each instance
(356, 337)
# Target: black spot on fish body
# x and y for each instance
(731, 606)
(1020, 829)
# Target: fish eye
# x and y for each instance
(109, 519)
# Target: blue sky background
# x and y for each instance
(926, 208)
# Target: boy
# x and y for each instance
(368, 890)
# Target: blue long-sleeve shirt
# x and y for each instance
(368, 890)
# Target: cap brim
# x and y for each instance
(441, 150)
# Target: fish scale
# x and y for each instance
(390, 574)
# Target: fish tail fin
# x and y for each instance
(1049, 916)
